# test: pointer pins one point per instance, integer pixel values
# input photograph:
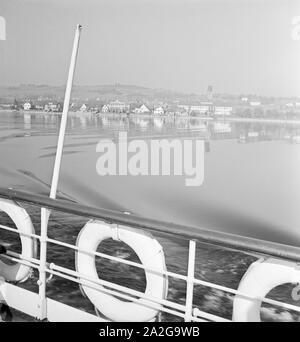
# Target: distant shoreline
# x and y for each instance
(149, 116)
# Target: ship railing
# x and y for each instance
(41, 307)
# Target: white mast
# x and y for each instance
(63, 124)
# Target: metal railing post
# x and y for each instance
(42, 306)
(190, 281)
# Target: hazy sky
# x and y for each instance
(238, 46)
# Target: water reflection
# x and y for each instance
(243, 132)
(158, 123)
(27, 121)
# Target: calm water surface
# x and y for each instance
(251, 182)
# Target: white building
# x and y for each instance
(118, 107)
(53, 107)
(253, 134)
(105, 109)
(255, 103)
(158, 111)
(83, 108)
(27, 106)
(142, 109)
(207, 108)
(201, 109)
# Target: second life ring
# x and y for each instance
(261, 277)
(150, 253)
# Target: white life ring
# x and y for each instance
(18, 272)
(151, 255)
(261, 277)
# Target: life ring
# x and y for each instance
(261, 277)
(150, 253)
(18, 272)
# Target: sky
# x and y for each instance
(238, 46)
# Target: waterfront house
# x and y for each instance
(118, 107)
(105, 109)
(83, 108)
(196, 109)
(290, 105)
(15, 105)
(6, 106)
(176, 110)
(255, 103)
(53, 107)
(159, 111)
(142, 109)
(181, 112)
(203, 108)
(27, 106)
(94, 110)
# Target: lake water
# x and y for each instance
(251, 171)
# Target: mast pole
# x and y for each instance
(63, 124)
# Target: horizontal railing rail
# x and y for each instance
(200, 234)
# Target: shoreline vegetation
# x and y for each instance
(149, 116)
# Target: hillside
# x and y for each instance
(88, 93)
